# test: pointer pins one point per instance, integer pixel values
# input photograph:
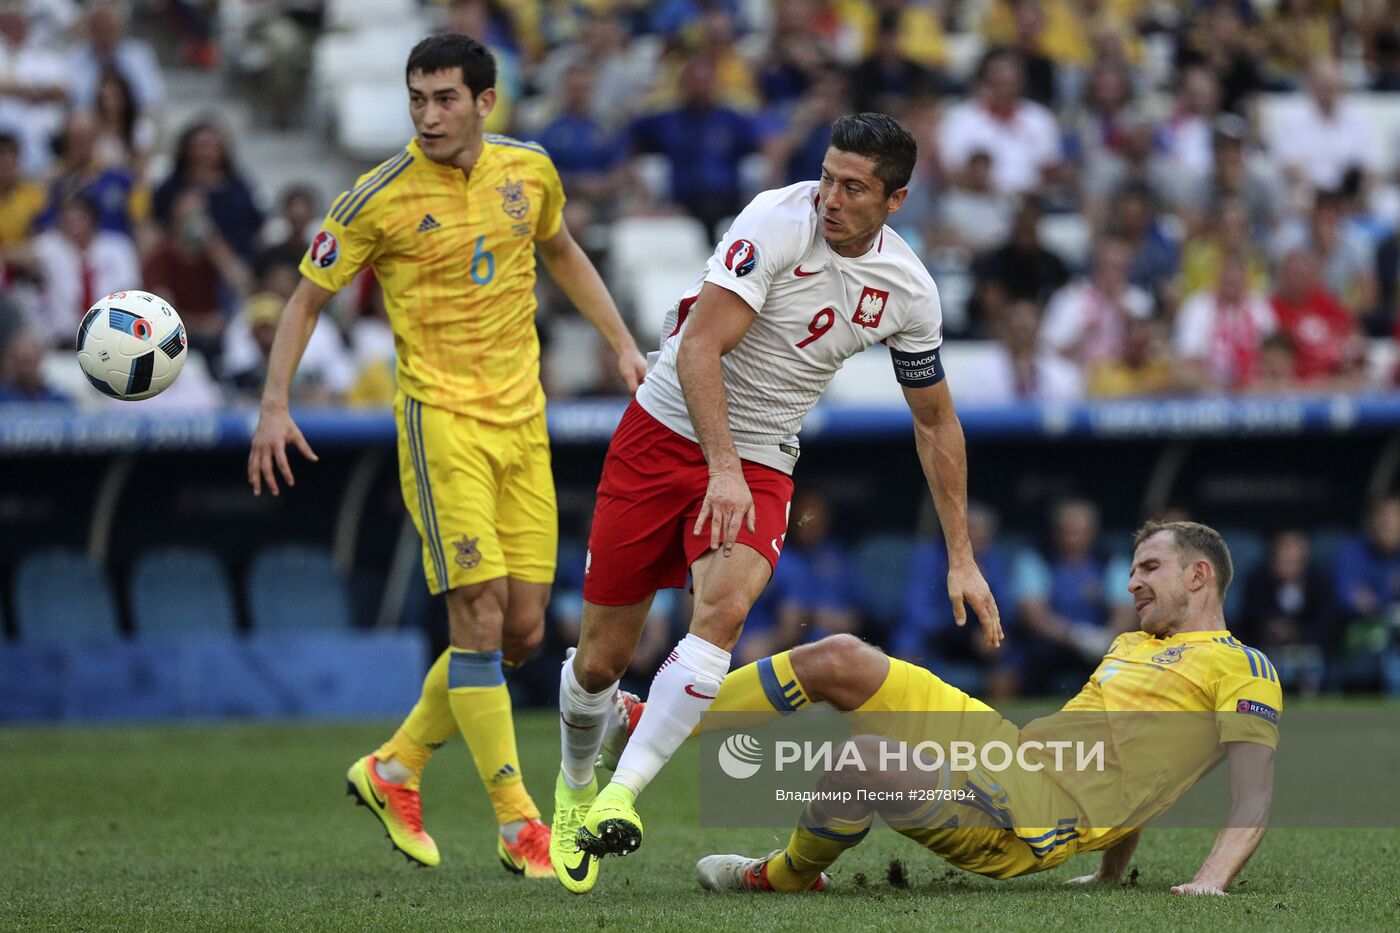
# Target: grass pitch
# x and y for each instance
(220, 827)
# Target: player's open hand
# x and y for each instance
(1197, 888)
(632, 367)
(728, 507)
(268, 456)
(966, 587)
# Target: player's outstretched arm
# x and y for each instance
(1251, 791)
(1115, 861)
(938, 436)
(576, 275)
(716, 324)
(275, 427)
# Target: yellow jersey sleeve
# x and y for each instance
(1248, 698)
(351, 235)
(552, 210)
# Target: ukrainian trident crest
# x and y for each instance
(515, 203)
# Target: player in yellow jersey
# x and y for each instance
(1173, 699)
(451, 225)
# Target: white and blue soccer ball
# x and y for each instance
(131, 345)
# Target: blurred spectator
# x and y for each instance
(1186, 135)
(1145, 366)
(1346, 255)
(972, 215)
(1138, 161)
(493, 25)
(1277, 370)
(714, 41)
(111, 187)
(1297, 34)
(589, 156)
(928, 635)
(21, 368)
(1154, 251)
(1379, 28)
(621, 76)
(108, 46)
(1098, 132)
(1085, 321)
(888, 75)
(795, 152)
(203, 161)
(1230, 50)
(1218, 333)
(1073, 602)
(1326, 134)
(125, 135)
(195, 20)
(1325, 339)
(1366, 571)
(77, 263)
(1020, 135)
(1019, 368)
(1027, 42)
(1022, 269)
(33, 87)
(372, 352)
(795, 57)
(1233, 175)
(21, 200)
(1226, 234)
(323, 376)
(703, 143)
(918, 25)
(1287, 613)
(288, 235)
(191, 266)
(1058, 28)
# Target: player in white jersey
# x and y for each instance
(698, 474)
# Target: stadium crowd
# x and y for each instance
(1100, 173)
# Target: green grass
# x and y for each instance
(217, 826)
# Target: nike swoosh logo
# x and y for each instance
(569, 724)
(374, 792)
(799, 273)
(690, 689)
(580, 871)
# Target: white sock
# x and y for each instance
(583, 717)
(684, 687)
(393, 771)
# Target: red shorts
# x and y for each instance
(653, 484)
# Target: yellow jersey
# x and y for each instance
(455, 256)
(1166, 707)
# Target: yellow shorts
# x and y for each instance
(481, 495)
(984, 835)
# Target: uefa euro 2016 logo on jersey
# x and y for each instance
(1170, 655)
(741, 258)
(516, 205)
(325, 250)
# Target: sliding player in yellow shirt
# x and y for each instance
(450, 226)
(1171, 700)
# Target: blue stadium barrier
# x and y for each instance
(179, 590)
(294, 588)
(312, 675)
(61, 594)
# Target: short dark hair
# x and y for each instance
(453, 50)
(9, 141)
(879, 137)
(1192, 539)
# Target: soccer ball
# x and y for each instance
(131, 345)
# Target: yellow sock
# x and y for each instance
(815, 844)
(481, 705)
(768, 685)
(428, 726)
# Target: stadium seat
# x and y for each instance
(357, 14)
(882, 565)
(371, 120)
(651, 261)
(294, 588)
(62, 595)
(179, 591)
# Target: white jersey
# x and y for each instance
(815, 310)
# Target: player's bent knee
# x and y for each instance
(596, 670)
(722, 616)
(841, 669)
(520, 643)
